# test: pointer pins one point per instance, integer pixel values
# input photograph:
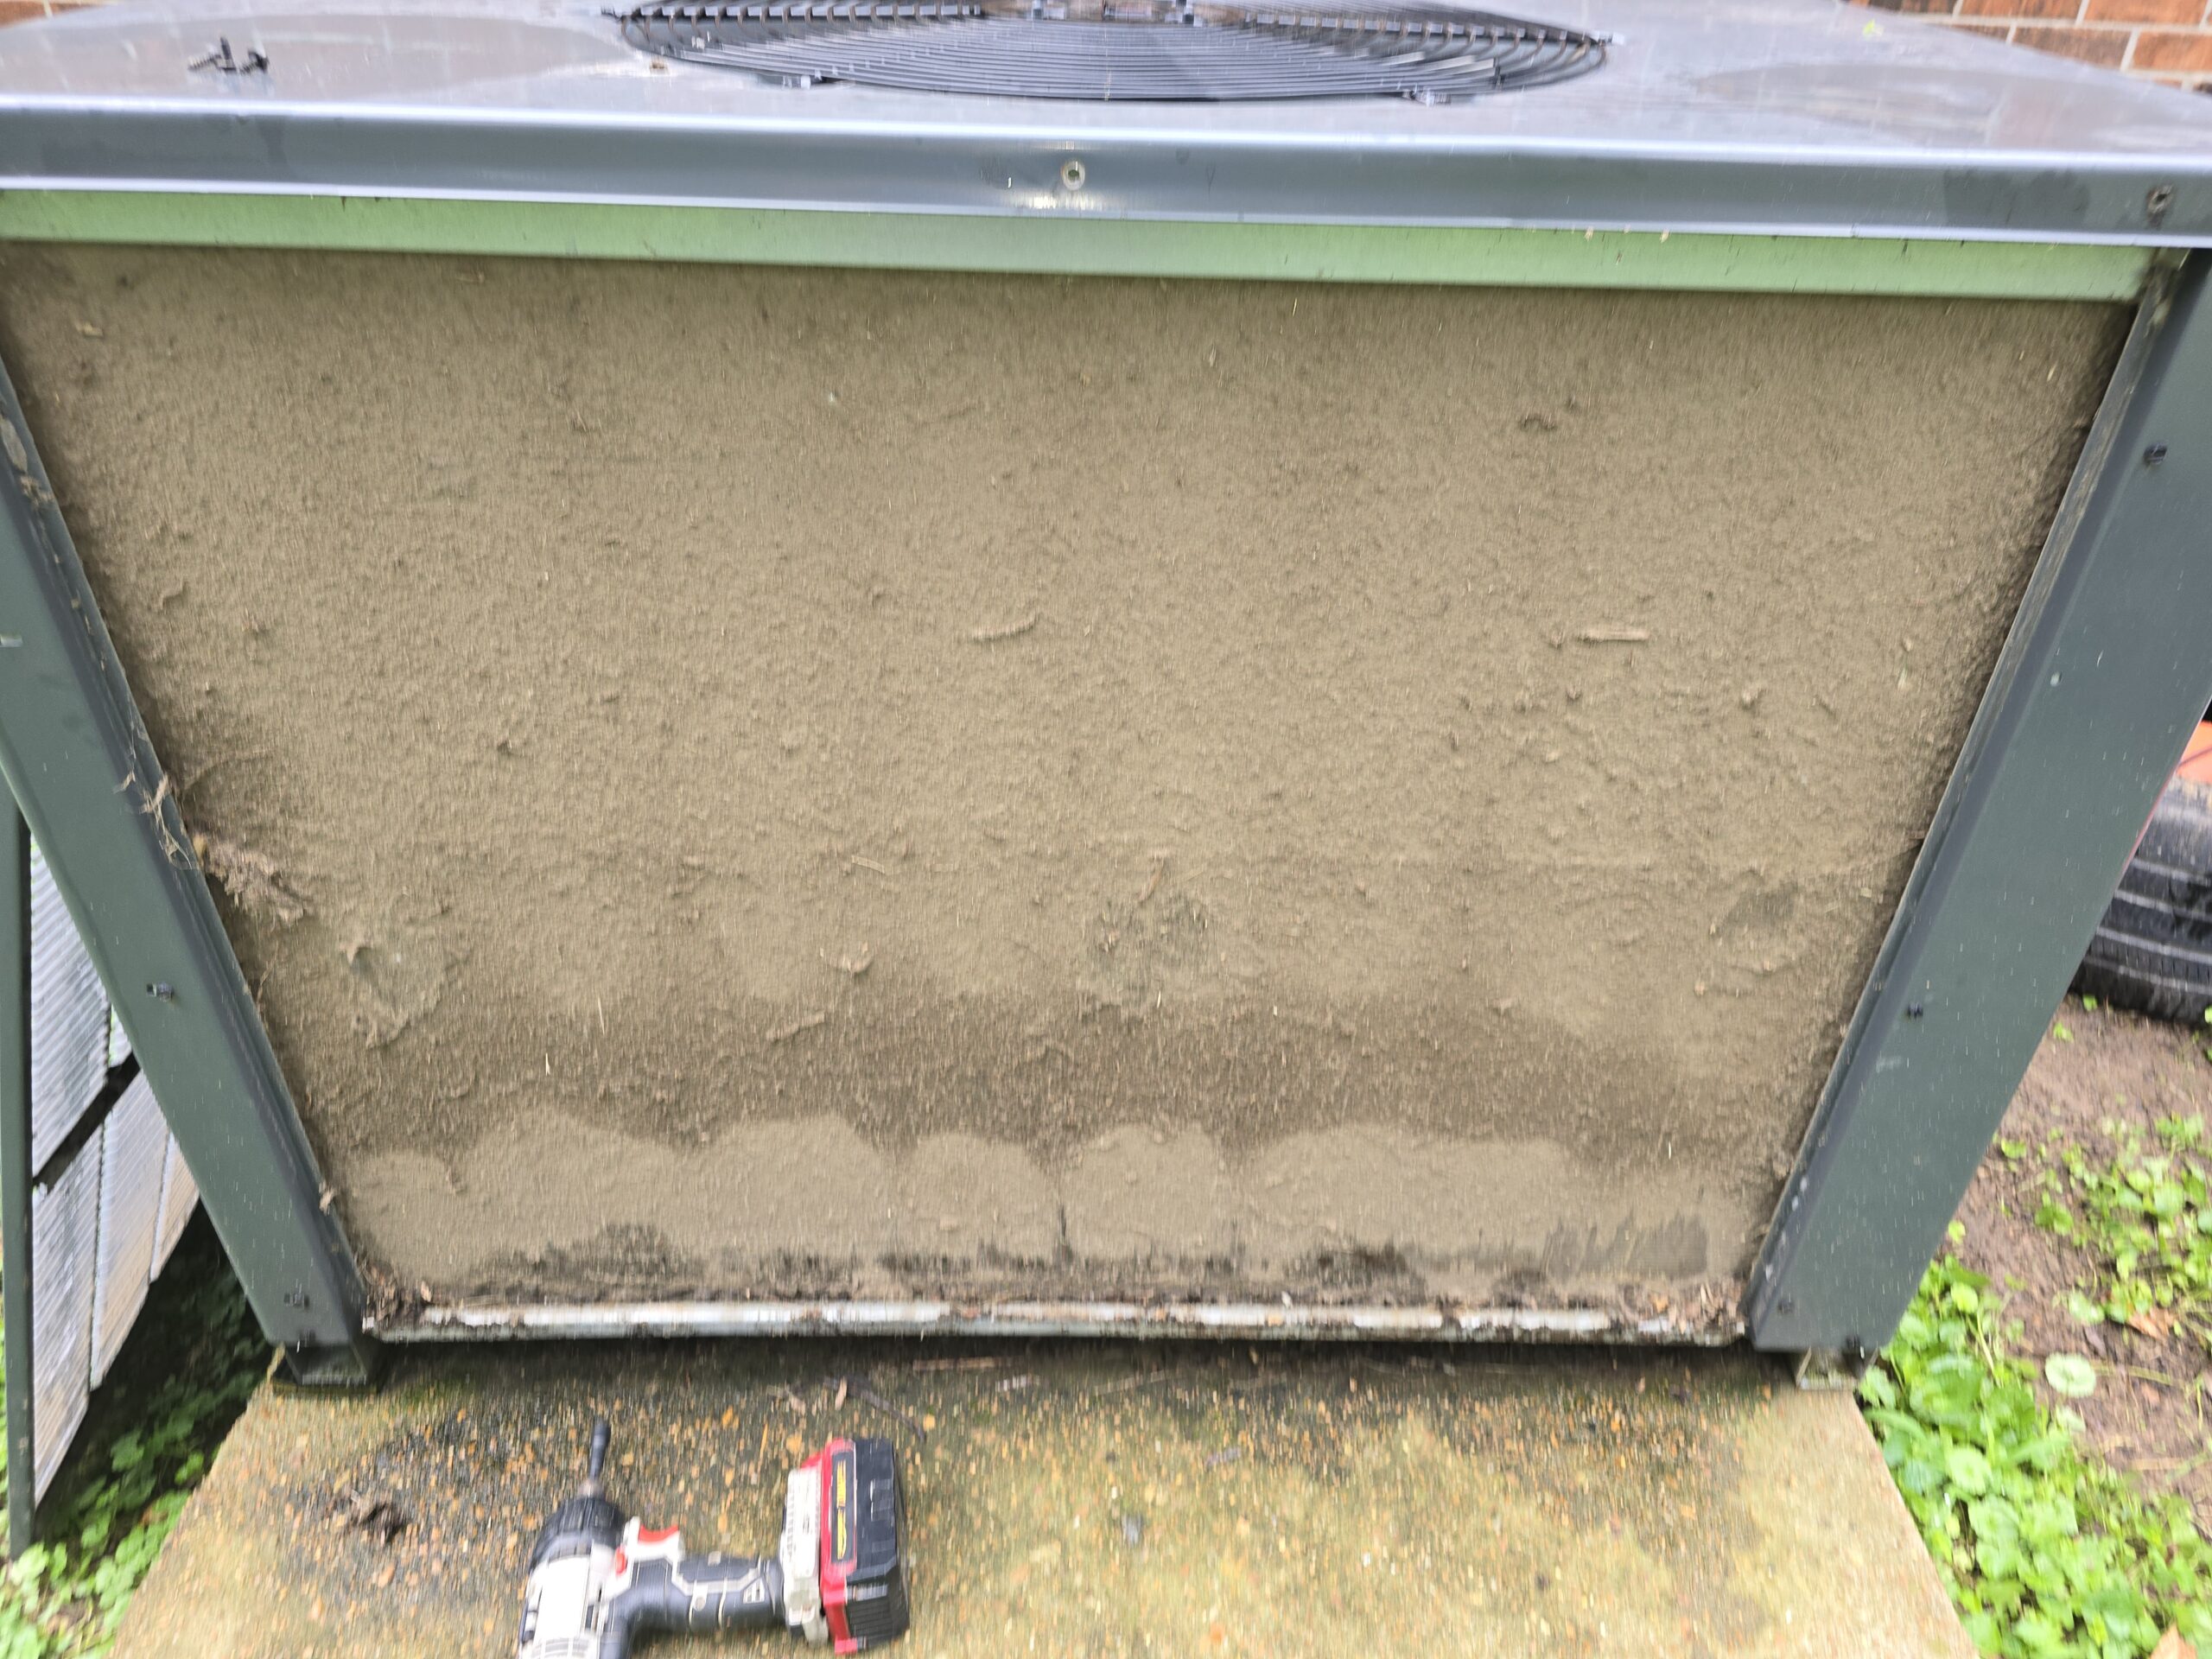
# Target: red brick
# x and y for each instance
(2107, 47)
(16, 12)
(2042, 10)
(2144, 11)
(2174, 51)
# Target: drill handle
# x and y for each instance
(699, 1592)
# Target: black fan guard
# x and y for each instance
(1183, 52)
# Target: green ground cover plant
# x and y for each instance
(2046, 1549)
(178, 1385)
(2143, 1219)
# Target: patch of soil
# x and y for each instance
(2110, 1071)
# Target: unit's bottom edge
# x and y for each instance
(469, 1322)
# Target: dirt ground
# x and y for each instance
(2109, 1072)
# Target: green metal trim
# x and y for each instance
(2101, 683)
(15, 1169)
(1091, 246)
(84, 772)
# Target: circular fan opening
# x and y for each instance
(1104, 52)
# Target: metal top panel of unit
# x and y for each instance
(1795, 117)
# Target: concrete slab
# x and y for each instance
(1090, 1499)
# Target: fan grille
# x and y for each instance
(1190, 54)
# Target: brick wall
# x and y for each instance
(2168, 41)
(14, 11)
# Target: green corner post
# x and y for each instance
(69, 736)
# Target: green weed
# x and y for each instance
(2047, 1552)
(2145, 1219)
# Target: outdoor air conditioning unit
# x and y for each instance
(943, 667)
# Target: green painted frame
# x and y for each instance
(1850, 1236)
(2102, 682)
(1087, 246)
(83, 772)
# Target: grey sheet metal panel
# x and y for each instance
(180, 1197)
(134, 1150)
(65, 1229)
(1749, 114)
(69, 1020)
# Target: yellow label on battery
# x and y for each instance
(841, 1496)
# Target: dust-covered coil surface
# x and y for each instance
(1185, 54)
(1059, 753)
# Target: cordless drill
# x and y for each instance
(598, 1579)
